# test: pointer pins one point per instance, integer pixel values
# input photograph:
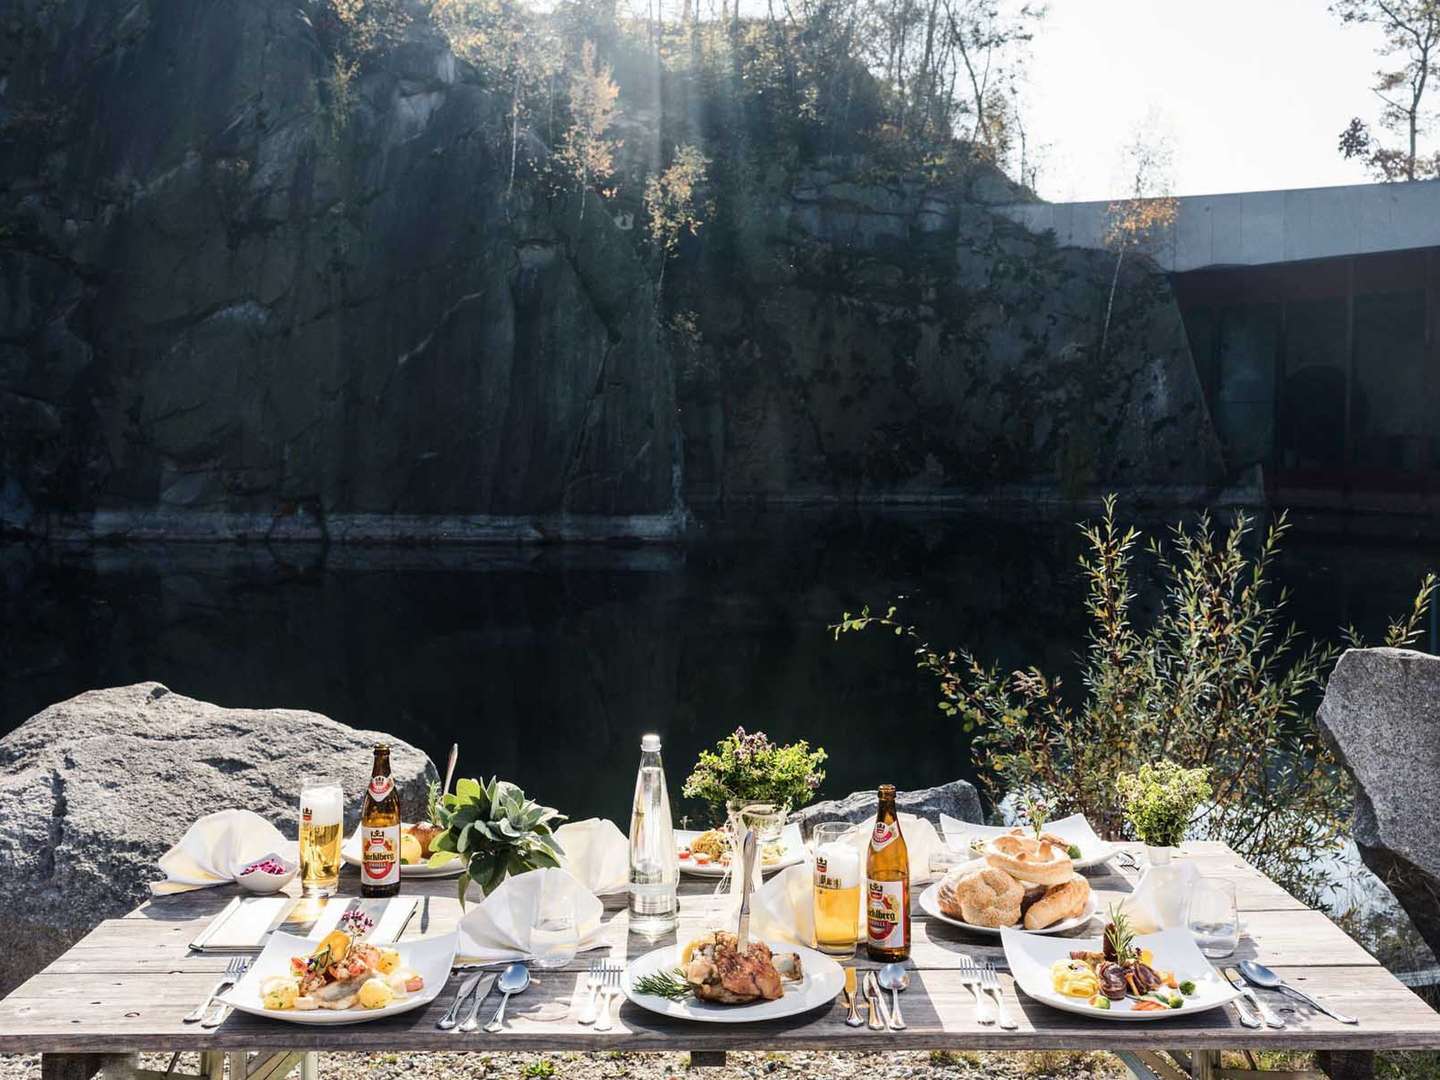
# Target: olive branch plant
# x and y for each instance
(1218, 679)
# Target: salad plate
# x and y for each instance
(775, 855)
(429, 958)
(1032, 959)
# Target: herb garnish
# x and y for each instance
(670, 985)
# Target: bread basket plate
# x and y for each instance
(430, 958)
(1030, 957)
(930, 904)
(792, 851)
(350, 852)
(1074, 829)
(823, 980)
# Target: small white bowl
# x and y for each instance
(262, 882)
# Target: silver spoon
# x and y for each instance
(894, 977)
(1263, 977)
(513, 980)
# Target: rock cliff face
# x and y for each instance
(101, 785)
(229, 303)
(237, 302)
(890, 338)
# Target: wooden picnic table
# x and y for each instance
(124, 987)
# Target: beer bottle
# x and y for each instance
(887, 885)
(380, 830)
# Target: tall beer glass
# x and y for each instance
(837, 888)
(321, 817)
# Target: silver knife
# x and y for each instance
(1242, 1009)
(1266, 1013)
(747, 869)
(472, 1019)
(451, 1018)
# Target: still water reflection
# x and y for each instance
(547, 664)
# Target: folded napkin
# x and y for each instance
(783, 909)
(498, 928)
(921, 842)
(597, 854)
(216, 848)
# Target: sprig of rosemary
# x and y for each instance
(1120, 935)
(670, 985)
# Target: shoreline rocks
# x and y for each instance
(958, 798)
(98, 787)
(1382, 713)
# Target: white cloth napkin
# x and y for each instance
(597, 854)
(498, 928)
(783, 909)
(216, 848)
(921, 841)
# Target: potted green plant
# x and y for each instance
(746, 768)
(1160, 800)
(496, 829)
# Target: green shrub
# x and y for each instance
(1217, 680)
(748, 767)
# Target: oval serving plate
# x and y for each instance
(930, 904)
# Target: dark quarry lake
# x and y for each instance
(547, 664)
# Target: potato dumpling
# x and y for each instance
(388, 962)
(279, 992)
(411, 851)
(375, 994)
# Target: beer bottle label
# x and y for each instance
(380, 786)
(884, 835)
(885, 914)
(380, 854)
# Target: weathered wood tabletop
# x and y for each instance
(126, 985)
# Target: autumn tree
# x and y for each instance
(1146, 214)
(511, 47)
(672, 208)
(586, 151)
(1411, 49)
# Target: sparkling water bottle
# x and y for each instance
(654, 863)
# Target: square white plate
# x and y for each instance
(1075, 829)
(430, 958)
(1030, 957)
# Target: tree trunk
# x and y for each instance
(1110, 305)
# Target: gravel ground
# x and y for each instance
(613, 1066)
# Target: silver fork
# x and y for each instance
(970, 976)
(609, 992)
(233, 971)
(594, 979)
(216, 1018)
(990, 980)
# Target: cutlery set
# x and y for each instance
(983, 979)
(513, 980)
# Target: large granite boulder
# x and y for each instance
(958, 799)
(96, 788)
(1382, 712)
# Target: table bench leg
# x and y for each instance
(707, 1059)
(70, 1066)
(1346, 1064)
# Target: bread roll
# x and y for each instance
(1028, 859)
(1060, 902)
(983, 897)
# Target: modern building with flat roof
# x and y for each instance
(1312, 318)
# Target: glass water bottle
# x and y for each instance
(654, 864)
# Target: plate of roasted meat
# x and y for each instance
(715, 979)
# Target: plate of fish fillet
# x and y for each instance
(713, 979)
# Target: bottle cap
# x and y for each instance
(650, 744)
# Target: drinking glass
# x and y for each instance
(1213, 917)
(555, 937)
(766, 819)
(837, 888)
(322, 806)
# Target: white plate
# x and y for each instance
(350, 852)
(430, 958)
(1075, 829)
(792, 852)
(930, 904)
(1030, 958)
(824, 979)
